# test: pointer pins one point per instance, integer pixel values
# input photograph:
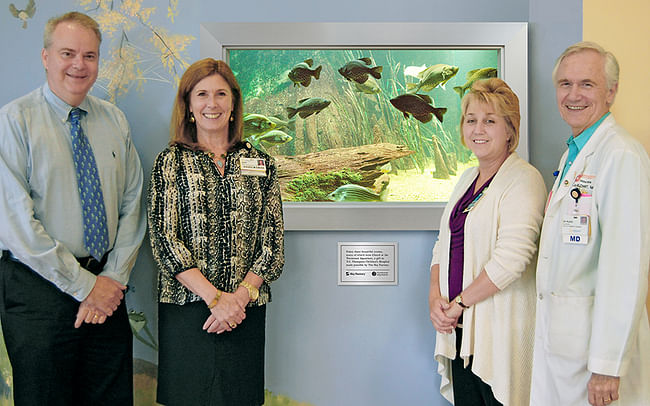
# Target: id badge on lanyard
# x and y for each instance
(576, 222)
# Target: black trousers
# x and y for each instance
(469, 389)
(54, 364)
(196, 368)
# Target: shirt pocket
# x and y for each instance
(569, 327)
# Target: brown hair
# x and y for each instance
(496, 93)
(75, 17)
(181, 129)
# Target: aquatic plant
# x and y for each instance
(311, 187)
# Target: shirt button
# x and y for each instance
(540, 296)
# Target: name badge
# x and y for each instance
(576, 229)
(252, 166)
(585, 183)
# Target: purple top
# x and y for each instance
(457, 240)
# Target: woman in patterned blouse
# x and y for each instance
(216, 228)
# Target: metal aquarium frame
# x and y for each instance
(511, 38)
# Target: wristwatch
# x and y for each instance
(253, 292)
(459, 300)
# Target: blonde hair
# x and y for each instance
(496, 93)
(181, 129)
(75, 17)
(610, 63)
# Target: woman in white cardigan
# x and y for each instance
(482, 292)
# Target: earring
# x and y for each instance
(192, 118)
(231, 117)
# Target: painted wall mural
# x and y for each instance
(24, 14)
(140, 50)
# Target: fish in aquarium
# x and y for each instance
(358, 70)
(435, 75)
(386, 168)
(302, 73)
(414, 70)
(307, 107)
(473, 76)
(356, 193)
(256, 124)
(273, 137)
(282, 124)
(370, 86)
(419, 106)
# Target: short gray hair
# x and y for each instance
(611, 64)
(75, 17)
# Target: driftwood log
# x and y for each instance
(365, 159)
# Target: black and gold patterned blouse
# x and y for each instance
(224, 225)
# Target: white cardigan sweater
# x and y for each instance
(501, 235)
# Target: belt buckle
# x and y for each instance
(87, 262)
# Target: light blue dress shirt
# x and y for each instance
(575, 144)
(40, 207)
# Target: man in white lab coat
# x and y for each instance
(592, 340)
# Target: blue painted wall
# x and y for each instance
(328, 345)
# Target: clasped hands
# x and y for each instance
(228, 313)
(102, 301)
(444, 315)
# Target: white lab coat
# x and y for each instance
(591, 314)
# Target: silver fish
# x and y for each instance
(370, 86)
(355, 193)
(256, 124)
(473, 76)
(273, 137)
(435, 75)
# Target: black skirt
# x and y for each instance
(197, 368)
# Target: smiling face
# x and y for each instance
(485, 133)
(211, 103)
(71, 61)
(581, 90)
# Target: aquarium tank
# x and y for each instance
(360, 125)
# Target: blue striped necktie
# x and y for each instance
(90, 189)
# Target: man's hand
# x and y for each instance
(603, 389)
(102, 301)
(87, 314)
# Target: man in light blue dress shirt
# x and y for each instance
(63, 313)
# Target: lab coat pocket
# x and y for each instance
(569, 325)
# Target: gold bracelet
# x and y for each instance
(253, 292)
(214, 301)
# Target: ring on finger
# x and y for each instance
(96, 316)
(233, 325)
